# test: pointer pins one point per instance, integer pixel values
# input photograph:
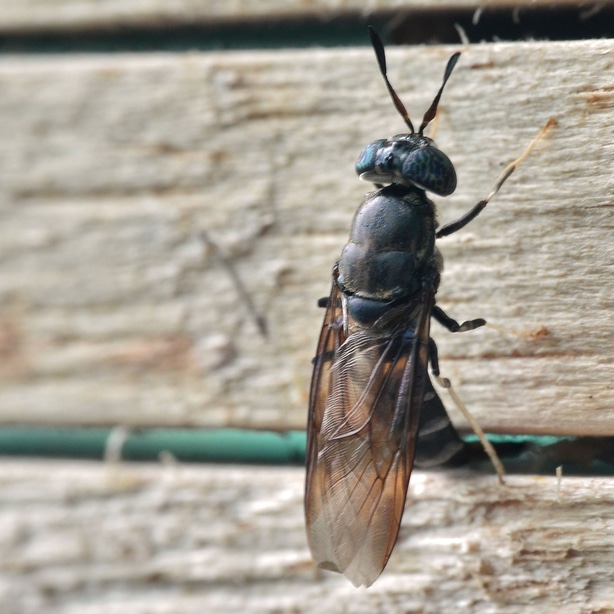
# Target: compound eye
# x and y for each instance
(367, 160)
(430, 169)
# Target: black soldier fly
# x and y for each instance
(373, 411)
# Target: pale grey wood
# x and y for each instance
(112, 310)
(91, 539)
(85, 14)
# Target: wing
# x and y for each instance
(366, 393)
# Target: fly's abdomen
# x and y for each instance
(438, 441)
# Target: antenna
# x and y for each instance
(378, 47)
(432, 110)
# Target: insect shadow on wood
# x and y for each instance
(244, 295)
(373, 411)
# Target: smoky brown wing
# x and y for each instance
(366, 394)
(331, 338)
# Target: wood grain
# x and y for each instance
(114, 311)
(94, 539)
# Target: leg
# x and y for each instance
(462, 221)
(434, 357)
(444, 382)
(452, 325)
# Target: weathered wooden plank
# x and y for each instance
(39, 15)
(88, 538)
(112, 310)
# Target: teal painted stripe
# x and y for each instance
(520, 454)
(188, 445)
(537, 440)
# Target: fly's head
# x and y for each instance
(410, 159)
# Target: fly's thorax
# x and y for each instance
(409, 159)
(392, 240)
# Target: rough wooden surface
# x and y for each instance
(93, 539)
(112, 310)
